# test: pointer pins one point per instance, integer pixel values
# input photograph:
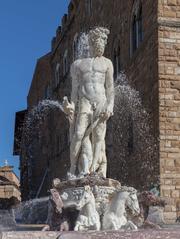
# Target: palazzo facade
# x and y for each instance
(144, 44)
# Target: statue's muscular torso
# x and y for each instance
(91, 80)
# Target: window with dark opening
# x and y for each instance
(117, 62)
(137, 27)
(57, 75)
(89, 6)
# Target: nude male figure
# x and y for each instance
(92, 101)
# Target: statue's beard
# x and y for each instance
(99, 51)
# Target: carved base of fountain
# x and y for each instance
(70, 201)
(102, 188)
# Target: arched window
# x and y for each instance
(75, 47)
(65, 63)
(130, 136)
(136, 26)
(57, 75)
(58, 143)
(89, 6)
(47, 92)
(117, 62)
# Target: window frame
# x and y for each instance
(89, 6)
(57, 74)
(65, 62)
(75, 46)
(136, 27)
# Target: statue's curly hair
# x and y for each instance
(97, 32)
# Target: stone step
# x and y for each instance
(173, 233)
(29, 235)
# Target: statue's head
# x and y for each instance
(98, 40)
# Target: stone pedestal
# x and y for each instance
(82, 201)
(102, 190)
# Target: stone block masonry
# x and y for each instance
(169, 104)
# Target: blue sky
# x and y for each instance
(27, 27)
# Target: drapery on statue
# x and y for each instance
(92, 102)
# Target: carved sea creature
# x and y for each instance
(115, 214)
(88, 218)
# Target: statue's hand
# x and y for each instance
(68, 108)
(105, 116)
(93, 168)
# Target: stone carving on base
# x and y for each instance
(92, 102)
(87, 197)
(95, 203)
(115, 217)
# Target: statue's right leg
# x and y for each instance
(82, 123)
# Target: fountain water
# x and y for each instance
(132, 139)
(32, 135)
(82, 50)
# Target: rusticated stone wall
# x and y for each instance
(169, 104)
(41, 78)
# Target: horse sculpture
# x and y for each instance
(115, 214)
(88, 218)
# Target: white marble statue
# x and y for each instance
(88, 218)
(92, 102)
(115, 216)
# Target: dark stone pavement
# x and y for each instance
(168, 233)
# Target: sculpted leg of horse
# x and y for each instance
(88, 218)
(114, 217)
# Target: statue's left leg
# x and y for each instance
(85, 156)
(98, 138)
(103, 160)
